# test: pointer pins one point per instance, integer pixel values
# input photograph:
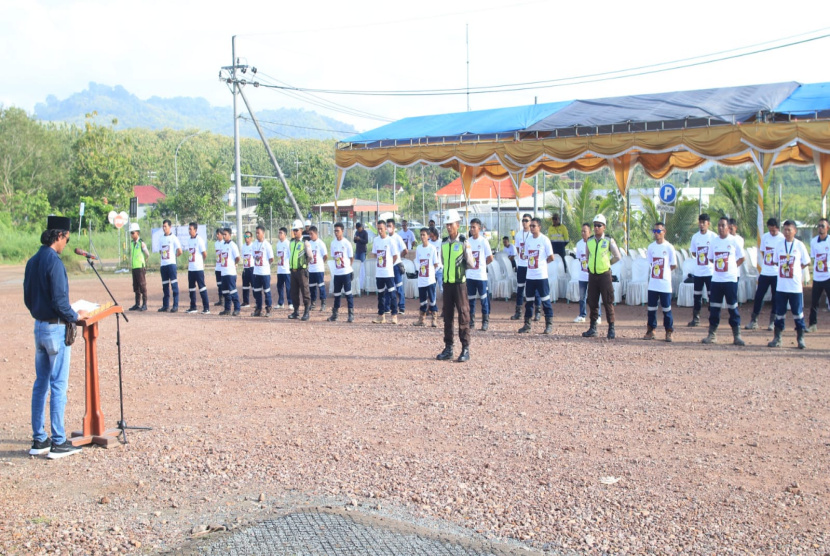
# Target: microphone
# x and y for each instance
(81, 252)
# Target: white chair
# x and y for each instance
(686, 292)
(371, 267)
(574, 269)
(553, 281)
(499, 284)
(562, 277)
(356, 285)
(642, 252)
(509, 273)
(410, 286)
(616, 270)
(636, 293)
(330, 264)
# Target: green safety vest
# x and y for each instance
(138, 254)
(599, 255)
(297, 259)
(452, 252)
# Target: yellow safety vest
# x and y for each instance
(599, 255)
(138, 254)
(452, 252)
(298, 259)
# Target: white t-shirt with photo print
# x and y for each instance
(426, 258)
(263, 255)
(791, 257)
(724, 255)
(342, 254)
(194, 250)
(661, 257)
(538, 249)
(481, 250)
(318, 251)
(385, 249)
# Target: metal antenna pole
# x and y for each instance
(236, 164)
(276, 164)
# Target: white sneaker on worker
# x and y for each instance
(579, 319)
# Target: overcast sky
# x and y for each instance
(175, 48)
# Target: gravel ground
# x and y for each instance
(556, 442)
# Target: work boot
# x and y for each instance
(472, 323)
(306, 315)
(137, 305)
(257, 313)
(394, 319)
(612, 332)
(592, 331)
(812, 328)
(695, 319)
(526, 328)
(351, 316)
(219, 303)
(753, 323)
(322, 305)
(295, 314)
(776, 340)
(420, 321)
(434, 319)
(669, 333)
(537, 314)
(313, 306)
(465, 355)
(771, 325)
(143, 306)
(736, 336)
(799, 334)
(712, 337)
(445, 355)
(380, 319)
(518, 314)
(333, 317)
(163, 309)
(224, 313)
(485, 323)
(548, 325)
(649, 334)
(268, 311)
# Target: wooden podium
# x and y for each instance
(94, 431)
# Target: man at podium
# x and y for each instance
(46, 294)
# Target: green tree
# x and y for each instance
(102, 167)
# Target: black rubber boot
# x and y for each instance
(526, 328)
(137, 305)
(323, 306)
(799, 334)
(592, 331)
(712, 338)
(333, 317)
(485, 323)
(295, 314)
(465, 355)
(445, 355)
(472, 322)
(548, 325)
(351, 316)
(771, 325)
(612, 332)
(518, 314)
(753, 323)
(305, 314)
(736, 336)
(537, 314)
(695, 319)
(776, 340)
(257, 313)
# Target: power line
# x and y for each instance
(300, 126)
(575, 80)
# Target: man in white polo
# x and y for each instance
(263, 256)
(477, 275)
(792, 259)
(343, 256)
(699, 249)
(196, 255)
(727, 257)
(539, 253)
(662, 260)
(768, 278)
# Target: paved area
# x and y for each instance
(318, 532)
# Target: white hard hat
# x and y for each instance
(452, 217)
(307, 222)
(297, 225)
(134, 227)
(600, 218)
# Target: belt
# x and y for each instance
(54, 321)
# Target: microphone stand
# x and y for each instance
(122, 424)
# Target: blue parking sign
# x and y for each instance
(668, 193)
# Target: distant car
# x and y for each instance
(414, 225)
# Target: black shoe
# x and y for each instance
(294, 315)
(268, 311)
(465, 355)
(63, 450)
(313, 306)
(305, 316)
(591, 332)
(333, 317)
(163, 309)
(143, 307)
(445, 355)
(245, 305)
(235, 313)
(192, 310)
(40, 447)
(174, 309)
(518, 314)
(135, 307)
(612, 332)
(351, 316)
(218, 303)
(526, 328)
(224, 313)
(206, 311)
(322, 306)
(537, 315)
(257, 313)
(485, 324)
(401, 311)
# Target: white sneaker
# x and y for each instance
(579, 319)
(599, 320)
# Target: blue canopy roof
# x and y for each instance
(705, 107)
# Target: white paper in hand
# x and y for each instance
(84, 305)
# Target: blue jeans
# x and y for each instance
(343, 287)
(317, 281)
(169, 280)
(230, 292)
(724, 294)
(439, 279)
(426, 295)
(262, 285)
(477, 289)
(538, 289)
(796, 301)
(196, 279)
(583, 296)
(52, 374)
(386, 295)
(283, 281)
(663, 299)
(764, 283)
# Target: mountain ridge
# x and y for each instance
(185, 113)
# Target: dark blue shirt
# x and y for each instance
(361, 239)
(46, 287)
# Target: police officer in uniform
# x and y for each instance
(138, 264)
(456, 256)
(602, 253)
(299, 252)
